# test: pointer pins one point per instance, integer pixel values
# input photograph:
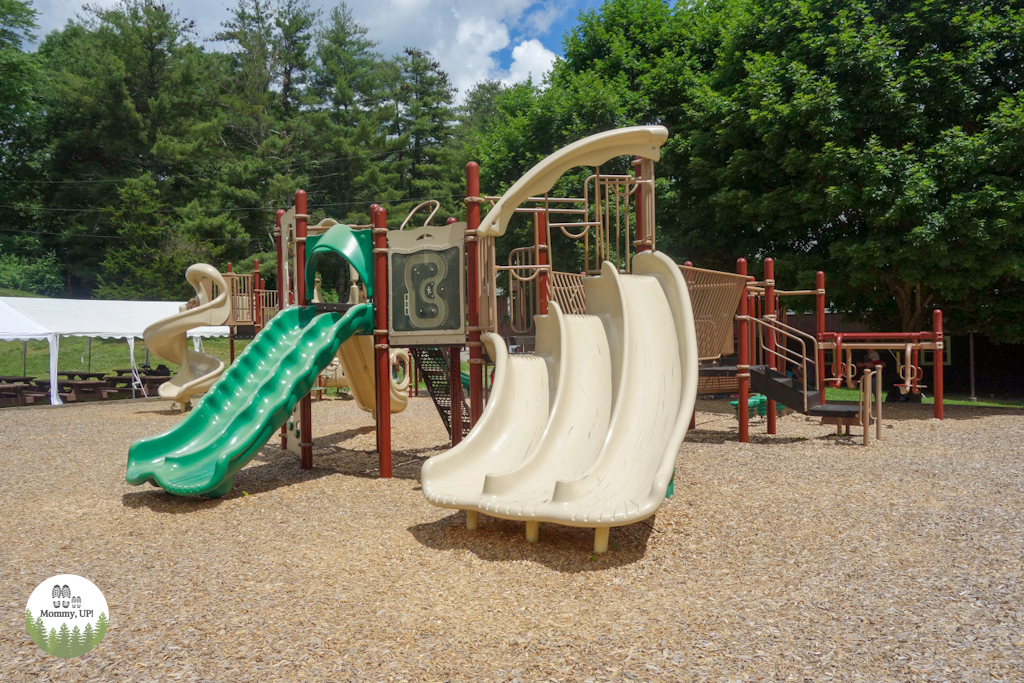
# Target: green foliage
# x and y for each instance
(39, 275)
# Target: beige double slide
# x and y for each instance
(585, 431)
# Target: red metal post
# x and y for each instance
(380, 337)
(306, 405)
(476, 356)
(455, 391)
(769, 339)
(819, 361)
(231, 328)
(540, 231)
(256, 294)
(937, 358)
(281, 294)
(742, 361)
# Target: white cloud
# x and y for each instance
(462, 35)
(542, 19)
(529, 59)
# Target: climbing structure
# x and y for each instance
(435, 369)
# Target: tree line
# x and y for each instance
(879, 142)
(66, 642)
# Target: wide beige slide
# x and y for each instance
(168, 338)
(584, 432)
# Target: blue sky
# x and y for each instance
(508, 40)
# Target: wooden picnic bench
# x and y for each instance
(72, 374)
(11, 393)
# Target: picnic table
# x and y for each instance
(11, 393)
(14, 379)
(72, 374)
(76, 389)
(153, 383)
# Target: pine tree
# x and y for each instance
(64, 642)
(30, 626)
(78, 646)
(292, 42)
(52, 642)
(88, 637)
(422, 118)
(101, 628)
(41, 630)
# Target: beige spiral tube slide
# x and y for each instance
(168, 338)
(585, 432)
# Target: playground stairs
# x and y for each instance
(433, 366)
(790, 393)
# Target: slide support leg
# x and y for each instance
(532, 532)
(472, 519)
(601, 539)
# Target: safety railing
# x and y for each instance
(567, 290)
(782, 352)
(522, 288)
(714, 296)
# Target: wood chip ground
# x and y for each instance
(798, 557)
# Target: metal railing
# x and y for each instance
(567, 290)
(714, 295)
(782, 352)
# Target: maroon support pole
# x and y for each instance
(231, 328)
(743, 361)
(306, 410)
(280, 294)
(256, 308)
(476, 356)
(937, 357)
(455, 390)
(540, 229)
(769, 339)
(819, 361)
(380, 337)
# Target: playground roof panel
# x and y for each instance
(28, 318)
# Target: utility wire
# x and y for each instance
(234, 208)
(288, 167)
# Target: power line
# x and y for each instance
(289, 167)
(30, 231)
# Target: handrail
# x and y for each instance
(784, 352)
(437, 205)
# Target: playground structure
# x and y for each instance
(582, 432)
(790, 366)
(434, 287)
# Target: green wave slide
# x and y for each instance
(255, 397)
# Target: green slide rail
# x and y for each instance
(256, 396)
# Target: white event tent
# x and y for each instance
(23, 318)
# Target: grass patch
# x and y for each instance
(4, 291)
(852, 396)
(107, 355)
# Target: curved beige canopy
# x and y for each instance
(644, 141)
